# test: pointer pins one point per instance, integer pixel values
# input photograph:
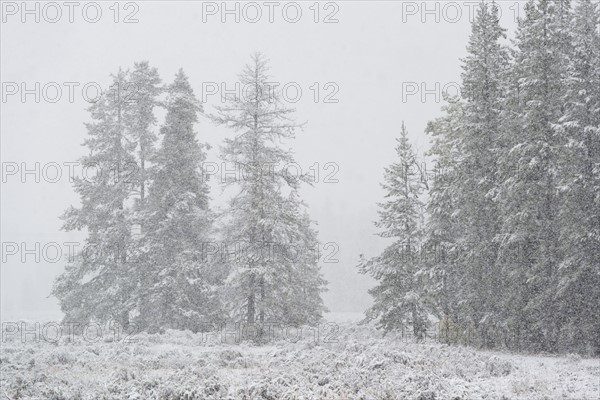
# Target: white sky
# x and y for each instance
(373, 49)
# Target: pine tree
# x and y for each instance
(145, 88)
(177, 285)
(98, 284)
(443, 232)
(484, 73)
(578, 291)
(528, 196)
(398, 295)
(266, 222)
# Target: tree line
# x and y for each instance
(500, 246)
(153, 267)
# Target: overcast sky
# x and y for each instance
(364, 61)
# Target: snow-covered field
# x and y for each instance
(355, 362)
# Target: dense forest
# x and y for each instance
(498, 244)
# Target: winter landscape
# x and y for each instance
(354, 363)
(204, 244)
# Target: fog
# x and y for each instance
(373, 58)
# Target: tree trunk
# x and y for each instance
(416, 322)
(261, 315)
(251, 309)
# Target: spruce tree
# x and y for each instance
(484, 73)
(528, 198)
(98, 284)
(398, 295)
(446, 280)
(176, 283)
(578, 290)
(145, 88)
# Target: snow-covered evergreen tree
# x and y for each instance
(145, 87)
(484, 74)
(272, 249)
(98, 285)
(528, 199)
(578, 291)
(442, 244)
(176, 283)
(398, 296)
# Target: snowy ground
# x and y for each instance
(352, 363)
